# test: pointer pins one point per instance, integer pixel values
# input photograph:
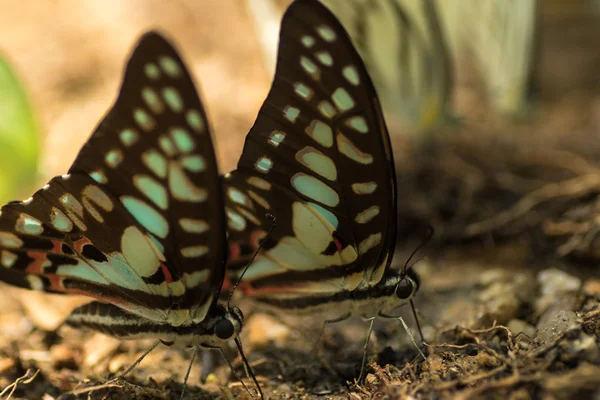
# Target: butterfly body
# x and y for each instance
(137, 223)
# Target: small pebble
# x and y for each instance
(263, 329)
(64, 356)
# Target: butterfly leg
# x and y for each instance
(363, 365)
(139, 360)
(325, 323)
(410, 335)
(187, 374)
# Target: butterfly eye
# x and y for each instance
(405, 289)
(224, 329)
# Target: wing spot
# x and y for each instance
(303, 91)
(153, 190)
(276, 138)
(194, 251)
(99, 176)
(167, 146)
(35, 282)
(96, 194)
(234, 220)
(10, 240)
(195, 120)
(367, 215)
(113, 158)
(248, 215)
(28, 225)
(193, 163)
(315, 189)
(7, 258)
(310, 68)
(238, 197)
(342, 99)
(327, 109)
(155, 162)
(128, 137)
(259, 199)
(326, 33)
(259, 183)
(152, 71)
(191, 225)
(60, 221)
(263, 164)
(351, 75)
(357, 123)
(317, 162)
(183, 140)
(364, 187)
(152, 100)
(182, 188)
(324, 58)
(307, 41)
(170, 66)
(143, 119)
(146, 215)
(27, 201)
(347, 148)
(173, 99)
(320, 132)
(291, 113)
(370, 242)
(46, 186)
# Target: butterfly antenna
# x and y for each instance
(425, 240)
(235, 373)
(260, 246)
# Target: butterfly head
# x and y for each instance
(230, 325)
(407, 285)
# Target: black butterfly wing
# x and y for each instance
(319, 159)
(138, 221)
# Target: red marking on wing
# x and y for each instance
(234, 251)
(38, 264)
(166, 273)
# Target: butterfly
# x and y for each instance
(318, 158)
(138, 222)
(503, 40)
(403, 48)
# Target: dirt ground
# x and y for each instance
(509, 302)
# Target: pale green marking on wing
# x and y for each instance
(325, 58)
(183, 140)
(113, 158)
(328, 215)
(155, 162)
(128, 137)
(152, 100)
(351, 75)
(193, 163)
(317, 162)
(315, 189)
(357, 123)
(147, 216)
(342, 99)
(28, 225)
(194, 120)
(60, 221)
(152, 71)
(173, 99)
(153, 190)
(264, 164)
(182, 188)
(143, 119)
(170, 66)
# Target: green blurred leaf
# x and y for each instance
(19, 137)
